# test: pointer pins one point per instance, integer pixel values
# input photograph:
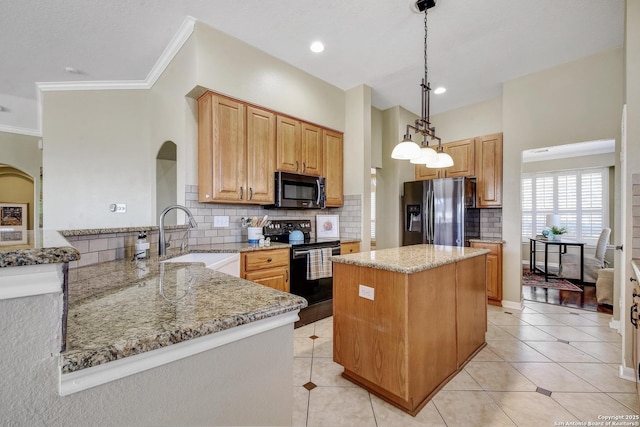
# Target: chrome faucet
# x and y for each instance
(162, 249)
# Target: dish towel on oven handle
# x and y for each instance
(318, 264)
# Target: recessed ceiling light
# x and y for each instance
(316, 47)
(439, 90)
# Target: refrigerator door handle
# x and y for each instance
(429, 217)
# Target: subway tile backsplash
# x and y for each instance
(491, 224)
(96, 248)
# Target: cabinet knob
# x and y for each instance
(241, 193)
(304, 166)
(297, 164)
(269, 259)
(250, 193)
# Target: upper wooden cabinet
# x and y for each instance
(240, 146)
(479, 157)
(299, 147)
(333, 167)
(261, 154)
(463, 154)
(236, 151)
(489, 171)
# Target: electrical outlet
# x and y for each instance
(118, 207)
(221, 221)
(366, 292)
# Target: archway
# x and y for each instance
(16, 186)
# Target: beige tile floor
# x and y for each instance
(569, 352)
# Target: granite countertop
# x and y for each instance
(123, 308)
(410, 259)
(42, 247)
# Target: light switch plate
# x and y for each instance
(220, 221)
(366, 292)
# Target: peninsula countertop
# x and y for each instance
(410, 259)
(123, 308)
(42, 247)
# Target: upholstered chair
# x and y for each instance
(570, 268)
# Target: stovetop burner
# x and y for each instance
(279, 231)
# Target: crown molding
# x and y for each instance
(19, 130)
(172, 49)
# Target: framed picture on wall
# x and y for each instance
(327, 226)
(13, 223)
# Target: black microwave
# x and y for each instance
(294, 191)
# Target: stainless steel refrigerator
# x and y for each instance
(440, 212)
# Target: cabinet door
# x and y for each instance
(423, 173)
(333, 167)
(463, 154)
(289, 145)
(311, 147)
(494, 270)
(492, 276)
(277, 278)
(221, 145)
(489, 171)
(261, 155)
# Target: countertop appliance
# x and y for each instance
(318, 292)
(295, 191)
(440, 212)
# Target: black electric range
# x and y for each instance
(317, 292)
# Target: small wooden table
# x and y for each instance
(562, 249)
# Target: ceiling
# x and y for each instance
(474, 46)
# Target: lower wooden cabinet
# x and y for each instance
(349, 248)
(266, 267)
(494, 270)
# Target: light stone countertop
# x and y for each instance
(410, 259)
(123, 308)
(42, 247)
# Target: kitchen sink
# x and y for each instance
(228, 263)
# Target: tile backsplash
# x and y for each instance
(206, 234)
(491, 223)
(107, 246)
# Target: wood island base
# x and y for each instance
(403, 334)
(409, 406)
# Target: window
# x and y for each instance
(580, 197)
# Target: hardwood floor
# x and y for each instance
(585, 300)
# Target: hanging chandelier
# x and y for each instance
(407, 149)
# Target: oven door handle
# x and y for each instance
(299, 254)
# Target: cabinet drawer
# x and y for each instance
(349, 248)
(266, 259)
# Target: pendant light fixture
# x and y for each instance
(407, 149)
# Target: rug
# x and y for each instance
(537, 281)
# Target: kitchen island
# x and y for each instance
(147, 342)
(406, 320)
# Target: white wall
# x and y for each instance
(100, 146)
(390, 178)
(357, 154)
(564, 104)
(483, 118)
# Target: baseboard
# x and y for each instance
(615, 324)
(626, 373)
(513, 305)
